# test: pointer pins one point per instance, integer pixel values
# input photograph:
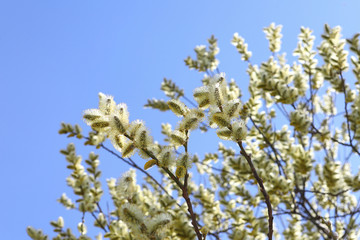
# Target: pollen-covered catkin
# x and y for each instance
(239, 130)
(101, 125)
(134, 127)
(300, 120)
(118, 141)
(191, 120)
(118, 125)
(224, 133)
(184, 160)
(128, 149)
(106, 104)
(221, 119)
(142, 137)
(177, 138)
(232, 108)
(91, 115)
(166, 157)
(180, 171)
(132, 214)
(178, 107)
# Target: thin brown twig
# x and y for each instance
(98, 221)
(262, 189)
(347, 116)
(346, 111)
(327, 193)
(186, 195)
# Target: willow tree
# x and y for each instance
(287, 176)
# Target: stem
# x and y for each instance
(186, 195)
(347, 116)
(190, 209)
(97, 220)
(311, 107)
(262, 188)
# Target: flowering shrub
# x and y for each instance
(293, 173)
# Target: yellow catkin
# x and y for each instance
(233, 109)
(178, 138)
(177, 107)
(204, 103)
(189, 123)
(224, 133)
(100, 125)
(180, 171)
(220, 119)
(119, 141)
(119, 125)
(128, 149)
(91, 117)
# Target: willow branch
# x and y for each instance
(262, 188)
(186, 196)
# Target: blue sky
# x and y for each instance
(55, 56)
